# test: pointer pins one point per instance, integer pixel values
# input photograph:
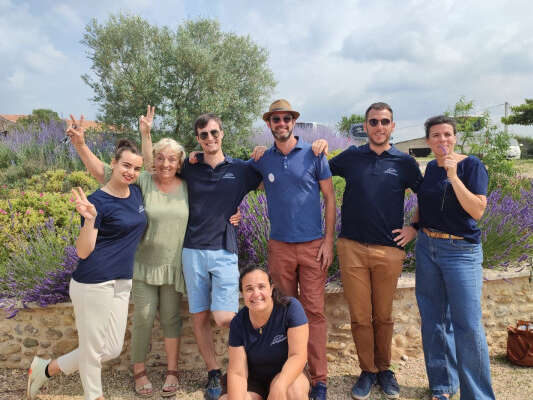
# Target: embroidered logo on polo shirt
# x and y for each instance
(141, 209)
(391, 171)
(228, 175)
(271, 177)
(278, 339)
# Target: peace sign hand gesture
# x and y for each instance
(145, 121)
(84, 206)
(76, 131)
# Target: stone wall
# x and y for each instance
(49, 332)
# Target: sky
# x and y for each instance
(329, 58)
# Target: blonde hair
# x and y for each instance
(174, 146)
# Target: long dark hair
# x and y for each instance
(277, 295)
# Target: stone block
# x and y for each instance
(64, 346)
(53, 334)
(400, 341)
(31, 330)
(9, 348)
(70, 333)
(412, 332)
(336, 345)
(50, 321)
(30, 342)
(344, 327)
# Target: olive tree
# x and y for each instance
(194, 69)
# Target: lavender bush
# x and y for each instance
(39, 271)
(43, 147)
(506, 228)
(309, 134)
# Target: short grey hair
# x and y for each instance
(174, 146)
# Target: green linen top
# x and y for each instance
(158, 256)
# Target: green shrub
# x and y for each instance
(59, 181)
(7, 157)
(23, 211)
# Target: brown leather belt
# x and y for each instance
(440, 235)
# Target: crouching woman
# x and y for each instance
(267, 343)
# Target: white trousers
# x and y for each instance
(101, 311)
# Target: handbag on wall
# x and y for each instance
(520, 343)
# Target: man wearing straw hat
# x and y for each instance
(299, 253)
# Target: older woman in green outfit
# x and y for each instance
(158, 281)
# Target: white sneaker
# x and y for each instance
(36, 377)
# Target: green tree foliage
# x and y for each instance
(479, 137)
(38, 116)
(520, 115)
(184, 73)
(346, 122)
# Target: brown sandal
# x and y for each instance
(145, 390)
(170, 389)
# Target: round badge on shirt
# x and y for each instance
(271, 177)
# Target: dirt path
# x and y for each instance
(510, 383)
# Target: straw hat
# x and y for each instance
(280, 105)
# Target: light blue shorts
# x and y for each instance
(212, 279)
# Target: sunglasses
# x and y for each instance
(286, 119)
(374, 122)
(205, 134)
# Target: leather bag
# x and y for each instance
(520, 343)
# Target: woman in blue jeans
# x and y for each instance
(448, 268)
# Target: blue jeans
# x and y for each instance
(448, 291)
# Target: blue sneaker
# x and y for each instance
(389, 384)
(213, 389)
(319, 391)
(363, 386)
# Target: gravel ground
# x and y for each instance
(510, 383)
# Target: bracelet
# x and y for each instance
(415, 225)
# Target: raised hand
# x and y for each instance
(84, 206)
(76, 130)
(145, 121)
(450, 165)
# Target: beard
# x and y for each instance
(282, 137)
(380, 143)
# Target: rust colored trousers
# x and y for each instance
(291, 264)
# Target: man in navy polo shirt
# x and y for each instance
(216, 186)
(370, 245)
(299, 254)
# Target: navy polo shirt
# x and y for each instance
(373, 200)
(438, 206)
(214, 195)
(293, 192)
(267, 349)
(121, 223)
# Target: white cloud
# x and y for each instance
(17, 80)
(330, 59)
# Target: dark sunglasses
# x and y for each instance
(205, 134)
(374, 122)
(286, 119)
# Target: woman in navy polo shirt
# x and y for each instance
(267, 342)
(448, 268)
(113, 221)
